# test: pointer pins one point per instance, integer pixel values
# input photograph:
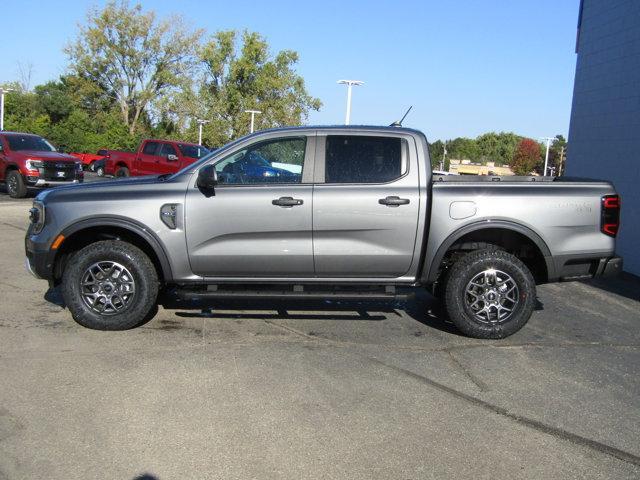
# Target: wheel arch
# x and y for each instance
(504, 234)
(85, 232)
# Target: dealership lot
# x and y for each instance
(290, 390)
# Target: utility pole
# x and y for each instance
(349, 84)
(253, 114)
(546, 157)
(2, 92)
(200, 123)
(561, 162)
(444, 156)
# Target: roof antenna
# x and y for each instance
(399, 123)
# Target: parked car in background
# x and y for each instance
(88, 159)
(365, 218)
(153, 157)
(28, 160)
(98, 167)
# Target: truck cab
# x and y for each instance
(154, 157)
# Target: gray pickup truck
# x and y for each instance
(320, 212)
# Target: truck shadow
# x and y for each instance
(626, 285)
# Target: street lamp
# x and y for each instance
(2, 92)
(201, 122)
(253, 114)
(546, 157)
(349, 84)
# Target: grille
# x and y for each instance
(58, 170)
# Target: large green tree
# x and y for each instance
(240, 73)
(132, 57)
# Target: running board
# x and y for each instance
(214, 292)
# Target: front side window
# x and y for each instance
(273, 161)
(361, 159)
(167, 149)
(29, 142)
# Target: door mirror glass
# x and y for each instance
(207, 178)
(172, 158)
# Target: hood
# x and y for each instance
(51, 156)
(130, 187)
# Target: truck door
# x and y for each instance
(258, 222)
(147, 159)
(168, 159)
(366, 202)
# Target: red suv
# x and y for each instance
(27, 160)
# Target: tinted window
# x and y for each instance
(193, 151)
(102, 152)
(167, 149)
(150, 148)
(29, 142)
(275, 161)
(359, 159)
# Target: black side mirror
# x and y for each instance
(207, 178)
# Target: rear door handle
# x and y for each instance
(287, 202)
(393, 201)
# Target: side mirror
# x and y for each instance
(172, 158)
(207, 178)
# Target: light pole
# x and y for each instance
(253, 114)
(349, 84)
(2, 92)
(201, 122)
(546, 156)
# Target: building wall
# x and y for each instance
(604, 134)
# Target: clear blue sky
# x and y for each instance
(466, 66)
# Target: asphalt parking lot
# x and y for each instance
(280, 390)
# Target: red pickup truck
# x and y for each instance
(27, 160)
(153, 157)
(88, 159)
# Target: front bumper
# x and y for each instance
(42, 183)
(39, 258)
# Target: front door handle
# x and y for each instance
(287, 202)
(393, 201)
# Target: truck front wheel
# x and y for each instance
(16, 187)
(489, 294)
(110, 285)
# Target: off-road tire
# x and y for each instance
(142, 306)
(474, 263)
(16, 187)
(122, 172)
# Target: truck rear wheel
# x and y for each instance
(110, 285)
(122, 172)
(16, 187)
(489, 294)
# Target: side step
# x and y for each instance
(213, 292)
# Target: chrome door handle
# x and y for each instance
(287, 202)
(393, 201)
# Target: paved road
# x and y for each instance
(354, 391)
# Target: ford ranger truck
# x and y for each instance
(153, 157)
(28, 160)
(358, 215)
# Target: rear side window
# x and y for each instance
(361, 159)
(150, 148)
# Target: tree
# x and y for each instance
(241, 74)
(132, 57)
(558, 153)
(526, 157)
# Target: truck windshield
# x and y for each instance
(29, 142)
(192, 151)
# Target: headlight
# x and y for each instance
(33, 164)
(36, 215)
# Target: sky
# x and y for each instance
(467, 67)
